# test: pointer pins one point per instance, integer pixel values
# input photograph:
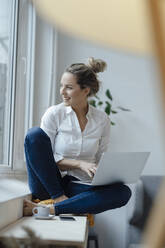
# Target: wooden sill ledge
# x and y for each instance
(54, 231)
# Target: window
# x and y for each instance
(8, 20)
(17, 29)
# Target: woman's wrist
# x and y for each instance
(75, 163)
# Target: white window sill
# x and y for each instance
(6, 171)
(13, 188)
(12, 193)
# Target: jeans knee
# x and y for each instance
(34, 134)
(126, 194)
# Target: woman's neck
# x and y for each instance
(81, 110)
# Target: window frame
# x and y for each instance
(23, 85)
(8, 128)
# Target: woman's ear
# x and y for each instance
(87, 91)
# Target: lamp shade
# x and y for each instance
(122, 24)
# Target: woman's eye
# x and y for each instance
(66, 87)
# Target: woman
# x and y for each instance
(67, 147)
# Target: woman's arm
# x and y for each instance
(72, 164)
(104, 141)
(49, 125)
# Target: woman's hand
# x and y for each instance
(72, 164)
(89, 168)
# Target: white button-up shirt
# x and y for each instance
(61, 124)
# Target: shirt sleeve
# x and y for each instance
(50, 127)
(104, 141)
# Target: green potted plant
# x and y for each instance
(107, 104)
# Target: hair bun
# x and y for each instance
(97, 65)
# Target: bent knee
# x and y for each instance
(34, 134)
(126, 194)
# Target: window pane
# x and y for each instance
(7, 9)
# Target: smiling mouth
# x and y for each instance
(66, 99)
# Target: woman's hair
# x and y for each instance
(86, 74)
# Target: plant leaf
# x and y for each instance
(108, 94)
(123, 109)
(113, 123)
(93, 103)
(108, 108)
(100, 103)
(114, 111)
(108, 104)
(97, 97)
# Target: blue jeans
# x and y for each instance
(45, 181)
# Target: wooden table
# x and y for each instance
(54, 231)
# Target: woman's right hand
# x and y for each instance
(89, 168)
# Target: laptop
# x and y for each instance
(116, 167)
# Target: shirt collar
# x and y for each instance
(89, 113)
(69, 110)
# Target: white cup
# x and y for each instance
(43, 211)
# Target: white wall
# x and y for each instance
(43, 69)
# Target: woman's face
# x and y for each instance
(71, 92)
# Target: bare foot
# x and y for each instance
(52, 201)
(60, 198)
(28, 206)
